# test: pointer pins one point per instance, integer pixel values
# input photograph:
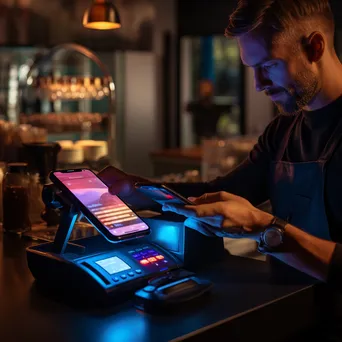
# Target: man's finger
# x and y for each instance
(210, 209)
(199, 211)
(187, 210)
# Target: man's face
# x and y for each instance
(286, 77)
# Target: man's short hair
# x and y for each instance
(278, 15)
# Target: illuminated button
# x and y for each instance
(131, 274)
(160, 257)
(116, 279)
(123, 276)
(131, 252)
(152, 259)
(144, 262)
(138, 249)
(165, 261)
(149, 288)
(138, 271)
(145, 247)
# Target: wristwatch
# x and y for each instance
(273, 236)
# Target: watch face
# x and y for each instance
(273, 237)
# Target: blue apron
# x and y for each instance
(297, 189)
(297, 196)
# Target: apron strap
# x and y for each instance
(332, 143)
(285, 141)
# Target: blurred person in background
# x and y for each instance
(205, 112)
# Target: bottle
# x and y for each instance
(16, 183)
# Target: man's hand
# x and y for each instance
(223, 214)
(119, 182)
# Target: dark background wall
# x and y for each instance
(210, 17)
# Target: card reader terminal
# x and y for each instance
(98, 270)
(122, 265)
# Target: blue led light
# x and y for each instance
(168, 236)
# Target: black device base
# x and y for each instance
(75, 274)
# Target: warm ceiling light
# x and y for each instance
(102, 15)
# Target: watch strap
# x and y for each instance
(277, 223)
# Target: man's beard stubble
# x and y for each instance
(304, 90)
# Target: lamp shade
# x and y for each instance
(102, 15)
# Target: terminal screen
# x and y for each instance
(113, 265)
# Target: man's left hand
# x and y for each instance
(223, 214)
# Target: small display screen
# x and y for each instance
(113, 265)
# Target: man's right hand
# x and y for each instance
(119, 182)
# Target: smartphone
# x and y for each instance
(108, 213)
(162, 194)
(110, 174)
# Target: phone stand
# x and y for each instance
(53, 198)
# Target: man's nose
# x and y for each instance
(260, 80)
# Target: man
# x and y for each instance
(297, 162)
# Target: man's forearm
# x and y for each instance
(247, 180)
(306, 253)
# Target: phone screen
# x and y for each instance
(161, 195)
(113, 213)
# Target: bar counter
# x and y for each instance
(179, 160)
(176, 160)
(243, 298)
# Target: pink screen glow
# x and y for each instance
(114, 214)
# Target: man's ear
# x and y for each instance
(315, 46)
